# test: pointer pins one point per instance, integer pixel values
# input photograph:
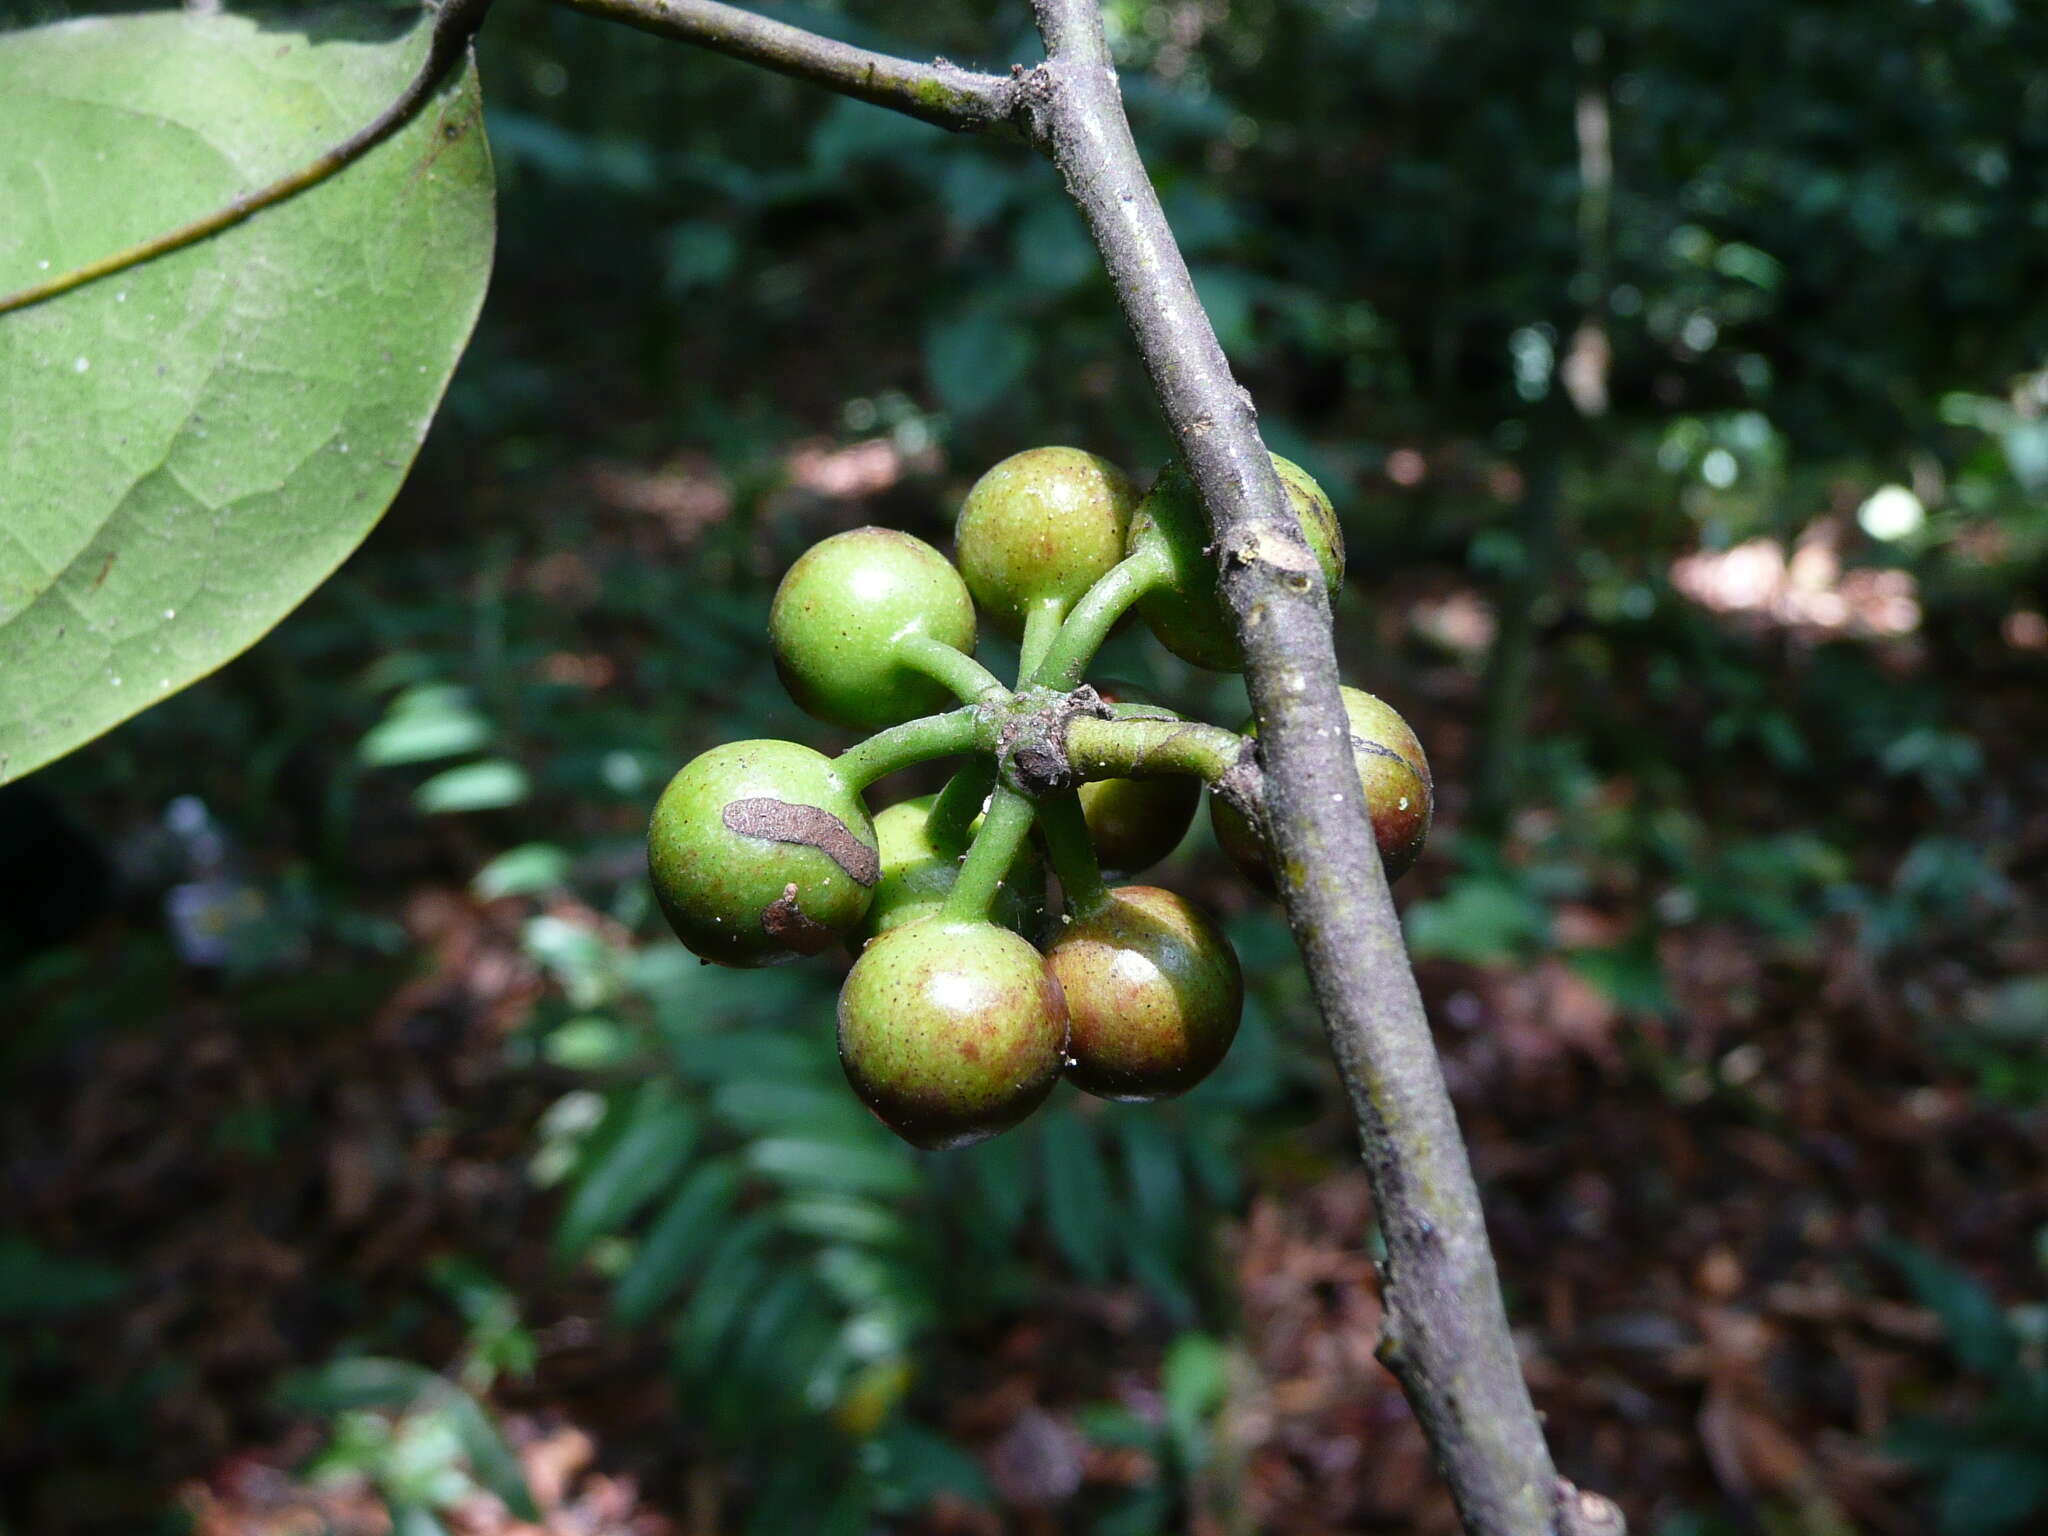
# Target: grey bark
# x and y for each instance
(1445, 1332)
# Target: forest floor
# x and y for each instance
(1695, 1207)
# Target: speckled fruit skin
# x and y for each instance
(917, 875)
(1134, 823)
(840, 611)
(728, 894)
(951, 1032)
(1392, 771)
(1187, 613)
(1044, 523)
(1154, 993)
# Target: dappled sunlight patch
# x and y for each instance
(257, 1492)
(570, 669)
(2025, 629)
(1406, 467)
(845, 473)
(1462, 622)
(1808, 591)
(688, 494)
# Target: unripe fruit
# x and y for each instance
(1134, 823)
(917, 874)
(951, 1032)
(1043, 524)
(1392, 772)
(839, 618)
(1187, 612)
(760, 852)
(1154, 993)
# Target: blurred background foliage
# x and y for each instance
(371, 1154)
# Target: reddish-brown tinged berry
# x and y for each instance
(1187, 613)
(1134, 823)
(840, 615)
(1393, 773)
(1043, 525)
(760, 852)
(1154, 993)
(951, 1031)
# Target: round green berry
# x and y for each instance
(760, 852)
(917, 874)
(1393, 773)
(1134, 823)
(1153, 991)
(1187, 611)
(1043, 525)
(951, 1032)
(842, 614)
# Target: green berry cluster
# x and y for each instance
(971, 995)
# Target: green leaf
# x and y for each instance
(487, 786)
(1158, 1188)
(38, 1284)
(1212, 1153)
(1991, 1491)
(364, 1382)
(763, 1108)
(589, 1043)
(423, 724)
(732, 1277)
(673, 1243)
(914, 1465)
(346, 1386)
(1156, 1242)
(771, 1358)
(1227, 295)
(1001, 1171)
(976, 358)
(1077, 1202)
(1193, 1380)
(194, 444)
(697, 255)
(841, 1219)
(629, 1172)
(813, 1491)
(522, 871)
(415, 1520)
(1144, 1511)
(1478, 920)
(421, 739)
(1053, 249)
(1976, 1325)
(1630, 975)
(493, 1463)
(834, 1165)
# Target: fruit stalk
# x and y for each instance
(1041, 631)
(1072, 853)
(1445, 1332)
(1096, 615)
(903, 746)
(950, 667)
(995, 849)
(959, 803)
